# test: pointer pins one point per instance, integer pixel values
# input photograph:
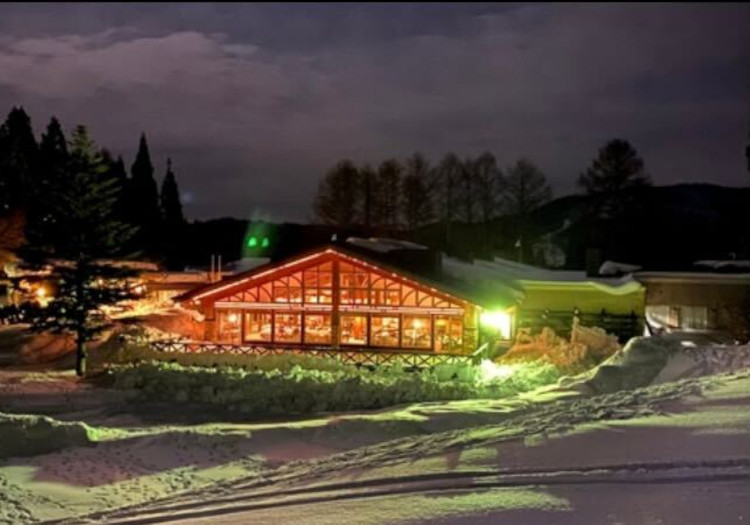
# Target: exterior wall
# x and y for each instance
(586, 300)
(360, 293)
(554, 306)
(728, 303)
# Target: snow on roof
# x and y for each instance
(244, 264)
(384, 245)
(515, 275)
(720, 265)
(617, 268)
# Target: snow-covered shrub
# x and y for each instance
(586, 348)
(301, 390)
(28, 435)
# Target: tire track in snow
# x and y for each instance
(736, 469)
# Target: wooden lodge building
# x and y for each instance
(383, 294)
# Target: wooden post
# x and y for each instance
(335, 300)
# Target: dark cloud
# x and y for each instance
(254, 102)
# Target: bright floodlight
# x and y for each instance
(498, 321)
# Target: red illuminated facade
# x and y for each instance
(331, 298)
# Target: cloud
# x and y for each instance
(252, 124)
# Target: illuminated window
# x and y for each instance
(417, 332)
(287, 328)
(353, 329)
(318, 328)
(252, 242)
(264, 243)
(229, 327)
(448, 333)
(384, 330)
(257, 326)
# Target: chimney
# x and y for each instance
(593, 261)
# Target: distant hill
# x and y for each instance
(668, 227)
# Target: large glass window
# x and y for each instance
(229, 327)
(353, 329)
(257, 326)
(417, 332)
(448, 333)
(287, 328)
(384, 330)
(318, 328)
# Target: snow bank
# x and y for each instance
(26, 435)
(654, 360)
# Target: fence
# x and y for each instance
(354, 357)
(623, 326)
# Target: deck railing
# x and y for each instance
(360, 357)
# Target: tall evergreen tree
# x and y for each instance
(174, 220)
(18, 161)
(77, 248)
(171, 206)
(389, 191)
(143, 199)
(616, 168)
(52, 175)
(525, 188)
(417, 192)
(338, 198)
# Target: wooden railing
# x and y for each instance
(360, 357)
(561, 321)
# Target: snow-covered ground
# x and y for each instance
(672, 452)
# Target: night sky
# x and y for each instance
(254, 102)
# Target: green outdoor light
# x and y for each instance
(252, 242)
(265, 242)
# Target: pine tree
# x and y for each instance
(174, 220)
(338, 198)
(616, 168)
(389, 191)
(417, 192)
(76, 249)
(52, 175)
(525, 189)
(143, 199)
(18, 161)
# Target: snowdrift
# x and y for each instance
(654, 360)
(27, 435)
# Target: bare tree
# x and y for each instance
(525, 188)
(337, 201)
(389, 190)
(447, 176)
(417, 192)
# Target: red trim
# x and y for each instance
(259, 276)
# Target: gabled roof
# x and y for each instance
(234, 283)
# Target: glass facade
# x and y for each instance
(369, 308)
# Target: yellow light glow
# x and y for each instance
(417, 324)
(233, 318)
(498, 321)
(41, 293)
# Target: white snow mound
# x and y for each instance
(648, 361)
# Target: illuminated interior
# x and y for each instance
(366, 306)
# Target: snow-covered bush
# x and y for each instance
(28, 435)
(301, 390)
